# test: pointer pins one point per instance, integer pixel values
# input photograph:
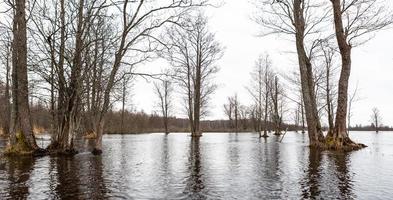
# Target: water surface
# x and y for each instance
(217, 166)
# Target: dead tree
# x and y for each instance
(376, 119)
(353, 21)
(193, 53)
(164, 90)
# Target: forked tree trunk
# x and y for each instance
(69, 96)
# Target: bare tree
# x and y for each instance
(164, 90)
(6, 59)
(126, 84)
(193, 53)
(260, 90)
(231, 109)
(353, 21)
(328, 52)
(140, 21)
(299, 19)
(353, 98)
(276, 94)
(228, 110)
(376, 119)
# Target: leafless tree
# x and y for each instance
(301, 20)
(376, 119)
(193, 53)
(231, 109)
(261, 92)
(353, 98)
(125, 86)
(277, 101)
(140, 22)
(164, 91)
(6, 58)
(328, 55)
(354, 21)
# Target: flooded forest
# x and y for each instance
(69, 69)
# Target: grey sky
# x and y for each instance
(372, 65)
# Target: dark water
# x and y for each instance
(218, 166)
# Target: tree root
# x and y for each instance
(55, 149)
(338, 144)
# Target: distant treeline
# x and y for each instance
(141, 122)
(370, 128)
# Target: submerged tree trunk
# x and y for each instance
(22, 139)
(307, 81)
(339, 139)
(69, 96)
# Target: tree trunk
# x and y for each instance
(100, 131)
(7, 120)
(340, 137)
(106, 99)
(303, 121)
(197, 103)
(21, 138)
(328, 101)
(307, 81)
(277, 118)
(69, 96)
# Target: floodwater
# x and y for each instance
(217, 166)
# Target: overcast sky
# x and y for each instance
(372, 65)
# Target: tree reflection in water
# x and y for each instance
(311, 187)
(344, 176)
(328, 174)
(18, 173)
(195, 183)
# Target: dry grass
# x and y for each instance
(90, 135)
